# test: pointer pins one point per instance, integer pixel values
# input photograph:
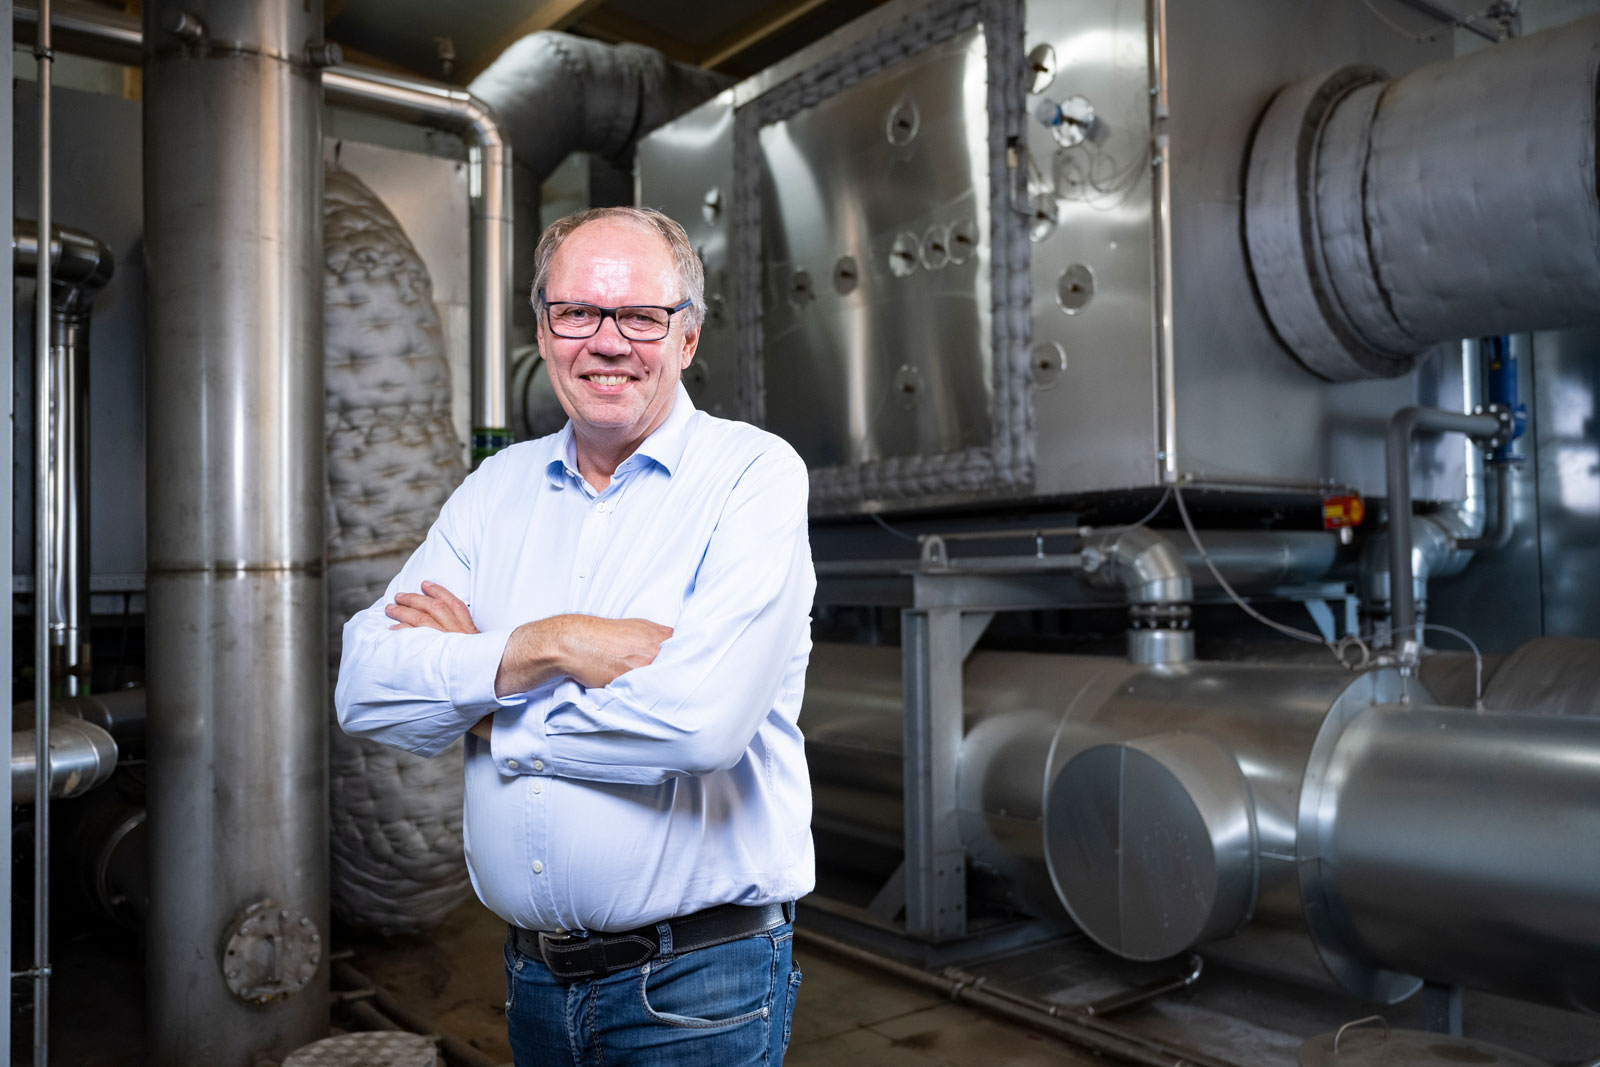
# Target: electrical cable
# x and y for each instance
(1298, 635)
(893, 529)
(1152, 513)
(1477, 657)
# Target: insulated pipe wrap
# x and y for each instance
(1383, 217)
(393, 458)
(1481, 189)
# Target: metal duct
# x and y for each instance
(556, 94)
(1159, 589)
(82, 265)
(236, 643)
(1173, 806)
(1458, 201)
(393, 458)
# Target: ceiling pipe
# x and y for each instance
(118, 38)
(557, 94)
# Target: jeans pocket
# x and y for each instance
(788, 1010)
(710, 989)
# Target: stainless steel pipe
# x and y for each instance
(42, 459)
(1405, 424)
(81, 266)
(82, 757)
(237, 695)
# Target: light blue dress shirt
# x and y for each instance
(683, 783)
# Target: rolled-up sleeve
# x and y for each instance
(741, 638)
(417, 688)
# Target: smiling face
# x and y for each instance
(616, 391)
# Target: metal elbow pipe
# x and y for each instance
(1159, 589)
(82, 757)
(1405, 424)
(489, 185)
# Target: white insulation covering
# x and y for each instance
(393, 458)
(1383, 217)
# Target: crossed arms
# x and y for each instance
(593, 652)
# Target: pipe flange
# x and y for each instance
(1283, 238)
(1508, 426)
(271, 953)
(1160, 616)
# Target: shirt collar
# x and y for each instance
(664, 446)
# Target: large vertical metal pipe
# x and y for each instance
(237, 745)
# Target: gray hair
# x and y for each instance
(691, 272)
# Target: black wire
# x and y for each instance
(894, 530)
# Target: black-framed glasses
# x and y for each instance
(637, 322)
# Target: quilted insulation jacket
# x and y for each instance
(393, 458)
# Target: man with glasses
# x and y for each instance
(618, 617)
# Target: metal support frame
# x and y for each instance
(1441, 1008)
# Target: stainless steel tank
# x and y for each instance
(1308, 821)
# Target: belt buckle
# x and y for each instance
(548, 941)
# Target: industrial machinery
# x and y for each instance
(1125, 339)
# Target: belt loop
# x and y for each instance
(664, 934)
(788, 911)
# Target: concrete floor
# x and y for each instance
(846, 1015)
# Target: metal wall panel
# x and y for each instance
(685, 170)
(875, 298)
(1247, 410)
(1094, 399)
(1566, 389)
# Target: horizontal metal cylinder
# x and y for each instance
(1385, 216)
(82, 757)
(1460, 846)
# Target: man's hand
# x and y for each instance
(435, 607)
(591, 651)
(439, 609)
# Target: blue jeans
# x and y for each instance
(725, 1006)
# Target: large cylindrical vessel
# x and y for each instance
(237, 744)
(1343, 827)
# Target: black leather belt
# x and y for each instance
(597, 954)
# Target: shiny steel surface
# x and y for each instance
(1548, 676)
(1567, 432)
(237, 702)
(1099, 426)
(7, 505)
(1428, 813)
(1245, 407)
(82, 757)
(1268, 717)
(902, 155)
(1153, 844)
(698, 196)
(1403, 426)
(82, 265)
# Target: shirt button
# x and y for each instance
(602, 507)
(538, 786)
(538, 764)
(583, 574)
(512, 764)
(538, 868)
